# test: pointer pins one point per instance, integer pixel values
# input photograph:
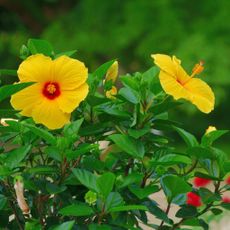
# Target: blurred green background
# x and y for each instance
(130, 30)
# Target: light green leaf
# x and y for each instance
(76, 210)
(129, 145)
(105, 183)
(130, 95)
(37, 46)
(8, 90)
(209, 138)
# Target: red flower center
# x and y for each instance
(193, 199)
(51, 90)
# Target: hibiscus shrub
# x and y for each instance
(77, 152)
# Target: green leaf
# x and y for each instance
(10, 72)
(69, 53)
(43, 170)
(129, 145)
(124, 208)
(96, 77)
(200, 152)
(142, 193)
(216, 211)
(174, 185)
(206, 176)
(130, 82)
(137, 133)
(130, 95)
(99, 227)
(133, 178)
(33, 225)
(14, 157)
(186, 212)
(5, 171)
(8, 90)
(39, 46)
(151, 78)
(42, 133)
(157, 212)
(3, 201)
(73, 127)
(76, 210)
(54, 188)
(225, 205)
(189, 139)
(105, 183)
(81, 149)
(209, 138)
(86, 178)
(113, 200)
(171, 159)
(65, 226)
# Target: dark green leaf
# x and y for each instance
(216, 211)
(76, 210)
(189, 139)
(86, 178)
(128, 208)
(206, 176)
(65, 226)
(99, 227)
(42, 133)
(3, 201)
(186, 212)
(14, 157)
(43, 170)
(113, 200)
(142, 193)
(105, 183)
(174, 185)
(73, 127)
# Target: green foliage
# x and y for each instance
(103, 169)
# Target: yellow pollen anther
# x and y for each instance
(51, 88)
(198, 68)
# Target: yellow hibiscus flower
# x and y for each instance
(176, 82)
(60, 85)
(112, 74)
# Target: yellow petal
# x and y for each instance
(69, 72)
(165, 63)
(201, 94)
(27, 98)
(69, 100)
(111, 93)
(49, 114)
(36, 68)
(171, 86)
(112, 72)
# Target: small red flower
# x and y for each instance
(228, 180)
(201, 182)
(193, 199)
(226, 199)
